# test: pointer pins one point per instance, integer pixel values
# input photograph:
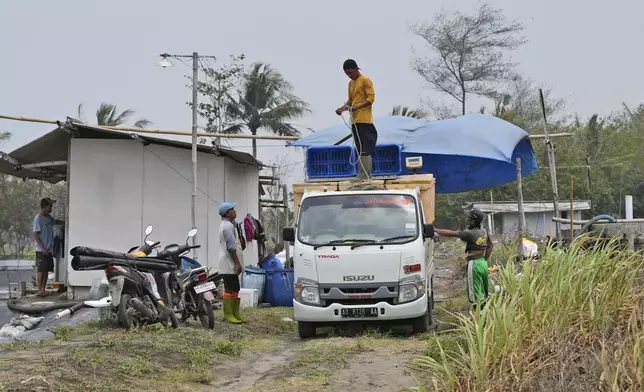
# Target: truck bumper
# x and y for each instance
(332, 313)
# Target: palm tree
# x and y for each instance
(400, 110)
(4, 136)
(266, 100)
(108, 115)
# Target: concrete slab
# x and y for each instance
(42, 330)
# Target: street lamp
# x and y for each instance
(165, 63)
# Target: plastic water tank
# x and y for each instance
(255, 278)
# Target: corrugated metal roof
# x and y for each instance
(531, 206)
(53, 146)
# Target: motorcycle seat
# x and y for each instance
(185, 275)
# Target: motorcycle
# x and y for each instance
(190, 289)
(135, 296)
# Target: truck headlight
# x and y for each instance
(307, 292)
(407, 293)
(410, 289)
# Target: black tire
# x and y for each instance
(206, 313)
(174, 320)
(169, 313)
(306, 330)
(423, 323)
(125, 313)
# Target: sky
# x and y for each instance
(56, 55)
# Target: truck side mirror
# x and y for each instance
(288, 234)
(428, 230)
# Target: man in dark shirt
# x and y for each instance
(478, 247)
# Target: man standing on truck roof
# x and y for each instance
(361, 98)
(230, 266)
(478, 247)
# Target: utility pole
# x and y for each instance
(195, 76)
(520, 209)
(552, 165)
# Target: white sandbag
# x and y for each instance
(530, 249)
(18, 325)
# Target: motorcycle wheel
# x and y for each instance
(206, 313)
(125, 313)
(174, 320)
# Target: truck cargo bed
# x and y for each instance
(424, 182)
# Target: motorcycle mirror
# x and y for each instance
(192, 233)
(148, 230)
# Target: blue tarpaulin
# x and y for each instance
(466, 153)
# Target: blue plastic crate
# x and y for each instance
(329, 161)
(386, 160)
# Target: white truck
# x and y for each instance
(363, 255)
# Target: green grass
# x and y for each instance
(149, 358)
(567, 321)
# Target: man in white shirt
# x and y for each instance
(44, 244)
(230, 266)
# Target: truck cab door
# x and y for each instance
(428, 242)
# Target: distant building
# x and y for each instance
(503, 217)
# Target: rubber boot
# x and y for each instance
(236, 306)
(364, 168)
(228, 311)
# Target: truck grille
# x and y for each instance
(367, 294)
(352, 302)
(358, 290)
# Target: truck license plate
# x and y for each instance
(205, 287)
(359, 312)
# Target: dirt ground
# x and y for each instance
(264, 354)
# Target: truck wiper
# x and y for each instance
(372, 242)
(335, 242)
(400, 237)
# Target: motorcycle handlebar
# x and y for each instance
(148, 248)
(168, 253)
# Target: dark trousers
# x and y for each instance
(365, 136)
(231, 283)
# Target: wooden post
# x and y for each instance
(552, 165)
(287, 245)
(521, 215)
(590, 187)
(572, 209)
(23, 289)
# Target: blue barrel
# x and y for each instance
(279, 287)
(271, 262)
(255, 278)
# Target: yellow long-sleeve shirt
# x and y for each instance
(361, 90)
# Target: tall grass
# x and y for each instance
(570, 321)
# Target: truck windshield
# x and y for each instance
(344, 219)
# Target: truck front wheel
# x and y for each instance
(305, 329)
(423, 323)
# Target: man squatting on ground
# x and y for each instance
(44, 243)
(361, 98)
(230, 265)
(478, 247)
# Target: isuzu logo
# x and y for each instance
(357, 278)
(329, 256)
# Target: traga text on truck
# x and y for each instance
(363, 252)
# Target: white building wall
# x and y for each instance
(118, 187)
(538, 224)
